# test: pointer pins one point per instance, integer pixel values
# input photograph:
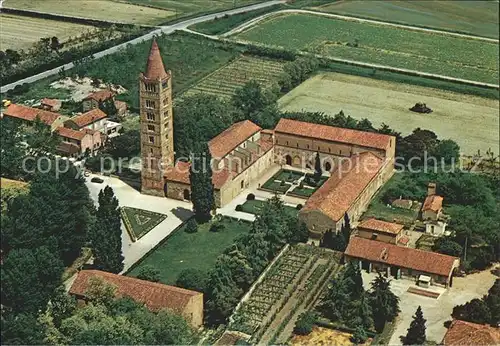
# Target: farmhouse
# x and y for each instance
(94, 119)
(76, 143)
(433, 204)
(468, 333)
(401, 261)
(374, 229)
(154, 296)
(92, 100)
(240, 156)
(27, 115)
(52, 105)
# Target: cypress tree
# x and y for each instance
(202, 188)
(106, 236)
(317, 168)
(416, 332)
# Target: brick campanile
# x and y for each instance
(156, 123)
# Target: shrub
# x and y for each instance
(359, 336)
(217, 226)
(282, 183)
(305, 323)
(250, 197)
(239, 207)
(149, 273)
(191, 226)
(193, 279)
(298, 207)
(301, 185)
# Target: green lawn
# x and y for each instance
(139, 222)
(426, 52)
(288, 175)
(199, 250)
(254, 207)
(304, 192)
(475, 17)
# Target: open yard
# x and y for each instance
(20, 32)
(323, 336)
(234, 75)
(475, 17)
(379, 44)
(471, 121)
(294, 183)
(198, 250)
(106, 10)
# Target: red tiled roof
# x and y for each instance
(336, 195)
(433, 202)
(155, 69)
(50, 102)
(381, 226)
(268, 131)
(226, 141)
(331, 133)
(404, 240)
(70, 133)
(466, 333)
(30, 114)
(424, 261)
(180, 174)
(154, 295)
(89, 117)
(101, 95)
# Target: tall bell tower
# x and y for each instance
(157, 140)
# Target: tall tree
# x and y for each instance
(384, 303)
(318, 171)
(202, 187)
(11, 149)
(29, 278)
(416, 332)
(354, 280)
(40, 139)
(346, 229)
(252, 101)
(106, 235)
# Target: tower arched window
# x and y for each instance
(150, 87)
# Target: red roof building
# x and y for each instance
(388, 232)
(432, 208)
(155, 70)
(52, 105)
(414, 262)
(29, 114)
(232, 137)
(101, 95)
(155, 296)
(463, 333)
(88, 118)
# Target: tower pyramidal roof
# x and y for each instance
(155, 69)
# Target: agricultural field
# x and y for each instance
(227, 79)
(291, 284)
(471, 121)
(182, 250)
(106, 10)
(20, 32)
(190, 7)
(474, 17)
(139, 222)
(427, 52)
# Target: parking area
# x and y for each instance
(436, 311)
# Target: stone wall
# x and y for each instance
(384, 237)
(193, 312)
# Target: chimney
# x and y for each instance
(431, 189)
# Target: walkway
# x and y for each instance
(162, 30)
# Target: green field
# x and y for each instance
(431, 53)
(475, 17)
(183, 8)
(197, 250)
(226, 80)
(139, 222)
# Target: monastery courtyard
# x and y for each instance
(436, 311)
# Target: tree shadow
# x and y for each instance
(182, 213)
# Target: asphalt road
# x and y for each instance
(164, 29)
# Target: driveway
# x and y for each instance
(436, 311)
(176, 212)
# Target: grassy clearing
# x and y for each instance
(198, 250)
(426, 52)
(139, 222)
(20, 32)
(475, 17)
(223, 24)
(105, 10)
(276, 186)
(188, 57)
(226, 80)
(255, 206)
(387, 102)
(323, 336)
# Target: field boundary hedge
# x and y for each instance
(70, 19)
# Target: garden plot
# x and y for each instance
(293, 183)
(226, 80)
(379, 44)
(139, 222)
(284, 287)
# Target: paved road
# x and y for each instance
(164, 29)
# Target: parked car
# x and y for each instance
(97, 180)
